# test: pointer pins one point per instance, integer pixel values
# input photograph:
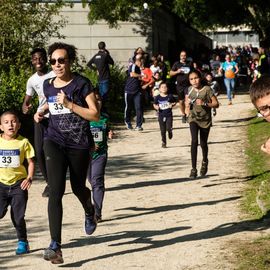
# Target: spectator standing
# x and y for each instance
(101, 62)
(133, 95)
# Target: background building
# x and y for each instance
(156, 32)
(235, 37)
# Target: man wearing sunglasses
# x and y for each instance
(35, 86)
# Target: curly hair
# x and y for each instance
(70, 49)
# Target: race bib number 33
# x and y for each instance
(56, 108)
(10, 158)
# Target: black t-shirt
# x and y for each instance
(182, 78)
(102, 60)
(133, 84)
(165, 108)
(65, 127)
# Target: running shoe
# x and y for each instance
(129, 126)
(204, 168)
(90, 224)
(138, 128)
(170, 135)
(163, 145)
(193, 173)
(22, 248)
(45, 192)
(53, 253)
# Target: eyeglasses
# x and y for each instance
(264, 110)
(60, 61)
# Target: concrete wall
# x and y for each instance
(157, 32)
(120, 42)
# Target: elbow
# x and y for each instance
(96, 116)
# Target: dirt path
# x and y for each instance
(155, 217)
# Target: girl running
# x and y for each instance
(199, 101)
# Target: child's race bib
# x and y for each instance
(97, 134)
(57, 108)
(164, 105)
(10, 158)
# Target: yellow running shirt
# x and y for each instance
(12, 155)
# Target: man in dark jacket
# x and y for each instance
(101, 62)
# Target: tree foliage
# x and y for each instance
(25, 25)
(201, 14)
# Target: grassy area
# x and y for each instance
(255, 254)
(257, 194)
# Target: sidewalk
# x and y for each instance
(155, 217)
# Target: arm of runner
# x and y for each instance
(91, 113)
(26, 106)
(27, 182)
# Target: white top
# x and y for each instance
(35, 86)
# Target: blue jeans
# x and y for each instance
(229, 84)
(136, 101)
(103, 89)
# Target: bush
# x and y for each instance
(115, 103)
(12, 92)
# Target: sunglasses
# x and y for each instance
(60, 61)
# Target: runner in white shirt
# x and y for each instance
(35, 87)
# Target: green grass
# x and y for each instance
(255, 254)
(258, 169)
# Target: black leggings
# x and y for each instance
(38, 139)
(204, 132)
(165, 124)
(58, 159)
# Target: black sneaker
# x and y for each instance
(204, 168)
(193, 173)
(53, 253)
(46, 191)
(184, 119)
(90, 224)
(163, 145)
(170, 135)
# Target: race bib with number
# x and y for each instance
(97, 134)
(10, 158)
(164, 105)
(185, 70)
(57, 108)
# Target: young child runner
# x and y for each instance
(101, 132)
(15, 179)
(214, 85)
(260, 97)
(163, 103)
(199, 101)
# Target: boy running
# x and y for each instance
(163, 103)
(15, 179)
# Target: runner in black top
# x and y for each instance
(72, 104)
